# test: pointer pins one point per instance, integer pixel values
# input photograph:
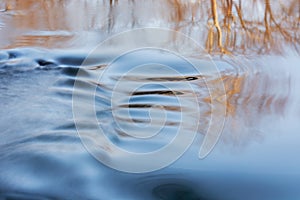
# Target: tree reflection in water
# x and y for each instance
(224, 26)
(232, 27)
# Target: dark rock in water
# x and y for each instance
(42, 62)
(14, 54)
(176, 192)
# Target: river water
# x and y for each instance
(44, 45)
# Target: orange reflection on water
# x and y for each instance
(256, 26)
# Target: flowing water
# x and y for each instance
(44, 45)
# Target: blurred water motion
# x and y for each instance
(254, 44)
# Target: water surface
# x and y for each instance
(43, 45)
